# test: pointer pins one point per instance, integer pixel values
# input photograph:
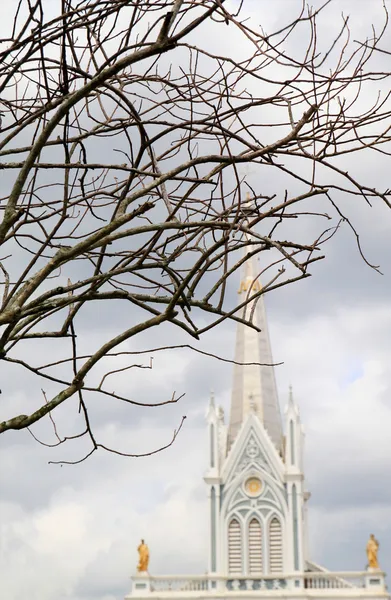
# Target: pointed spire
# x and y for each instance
(290, 397)
(254, 385)
(211, 413)
(292, 408)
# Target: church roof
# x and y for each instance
(254, 387)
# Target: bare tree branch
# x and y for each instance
(127, 141)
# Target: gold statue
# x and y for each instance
(249, 281)
(372, 549)
(143, 557)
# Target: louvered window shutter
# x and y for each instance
(235, 547)
(275, 546)
(255, 547)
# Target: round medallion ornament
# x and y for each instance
(253, 486)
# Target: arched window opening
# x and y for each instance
(255, 554)
(235, 547)
(275, 546)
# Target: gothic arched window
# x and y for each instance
(275, 546)
(235, 552)
(255, 554)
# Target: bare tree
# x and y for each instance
(126, 129)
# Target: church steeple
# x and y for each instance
(254, 387)
(256, 499)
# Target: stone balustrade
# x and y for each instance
(204, 585)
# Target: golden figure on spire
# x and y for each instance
(248, 280)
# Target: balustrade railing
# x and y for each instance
(182, 584)
(322, 581)
(314, 580)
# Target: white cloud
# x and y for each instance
(82, 542)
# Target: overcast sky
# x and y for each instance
(72, 531)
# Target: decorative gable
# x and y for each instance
(251, 456)
(252, 450)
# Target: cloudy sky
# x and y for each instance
(72, 531)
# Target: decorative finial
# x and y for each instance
(143, 557)
(290, 394)
(253, 407)
(212, 398)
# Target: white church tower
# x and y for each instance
(256, 492)
(255, 474)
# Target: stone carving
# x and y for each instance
(252, 454)
(252, 449)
